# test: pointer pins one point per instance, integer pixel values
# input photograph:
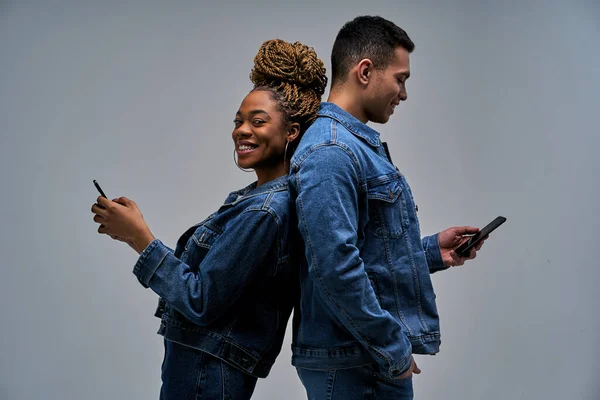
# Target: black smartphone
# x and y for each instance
(464, 249)
(99, 189)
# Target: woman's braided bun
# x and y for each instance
(295, 73)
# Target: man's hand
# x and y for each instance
(412, 370)
(453, 237)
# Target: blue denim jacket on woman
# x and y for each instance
(366, 292)
(229, 287)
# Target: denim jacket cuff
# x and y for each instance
(433, 253)
(149, 261)
(398, 369)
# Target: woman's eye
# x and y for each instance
(258, 122)
(237, 122)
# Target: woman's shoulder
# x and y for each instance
(274, 199)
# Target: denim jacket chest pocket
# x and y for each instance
(198, 245)
(200, 239)
(386, 206)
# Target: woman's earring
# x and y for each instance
(238, 165)
(285, 160)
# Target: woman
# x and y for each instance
(228, 289)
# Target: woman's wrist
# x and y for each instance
(141, 241)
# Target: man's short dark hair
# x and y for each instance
(369, 37)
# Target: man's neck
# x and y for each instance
(347, 102)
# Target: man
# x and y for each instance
(367, 300)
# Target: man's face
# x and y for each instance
(387, 88)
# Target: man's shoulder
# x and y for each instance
(318, 132)
(326, 131)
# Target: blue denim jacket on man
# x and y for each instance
(229, 287)
(366, 292)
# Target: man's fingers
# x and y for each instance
(480, 244)
(409, 372)
(472, 254)
(456, 260)
(465, 230)
(416, 369)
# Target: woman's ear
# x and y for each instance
(293, 131)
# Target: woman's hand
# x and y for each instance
(122, 220)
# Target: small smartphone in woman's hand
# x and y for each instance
(99, 189)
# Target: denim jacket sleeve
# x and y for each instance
(433, 253)
(241, 254)
(327, 184)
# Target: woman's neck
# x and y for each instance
(267, 175)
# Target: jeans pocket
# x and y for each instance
(237, 385)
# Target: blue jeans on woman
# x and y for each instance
(190, 374)
(358, 383)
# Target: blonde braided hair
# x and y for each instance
(295, 76)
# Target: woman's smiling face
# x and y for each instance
(260, 132)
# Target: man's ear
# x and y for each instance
(364, 71)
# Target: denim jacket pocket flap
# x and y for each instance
(385, 207)
(204, 237)
(388, 191)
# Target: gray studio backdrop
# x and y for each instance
(501, 120)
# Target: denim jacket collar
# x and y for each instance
(350, 122)
(253, 190)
